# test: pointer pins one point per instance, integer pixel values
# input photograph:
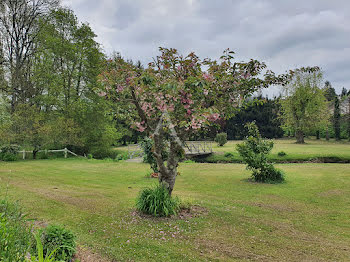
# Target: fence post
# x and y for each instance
(24, 154)
(65, 153)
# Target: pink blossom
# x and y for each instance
(195, 124)
(171, 108)
(102, 93)
(120, 88)
(139, 126)
(162, 107)
(214, 117)
(206, 92)
(207, 77)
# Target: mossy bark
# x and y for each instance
(168, 171)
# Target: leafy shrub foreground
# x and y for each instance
(15, 235)
(17, 241)
(59, 240)
(156, 201)
(254, 151)
(40, 257)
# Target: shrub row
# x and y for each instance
(10, 153)
(232, 158)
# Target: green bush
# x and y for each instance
(254, 151)
(42, 155)
(102, 153)
(221, 139)
(9, 152)
(229, 154)
(282, 153)
(156, 201)
(122, 156)
(56, 237)
(89, 156)
(8, 157)
(268, 174)
(15, 235)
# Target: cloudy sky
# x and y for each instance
(285, 34)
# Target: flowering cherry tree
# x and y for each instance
(178, 95)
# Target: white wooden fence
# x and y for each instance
(65, 152)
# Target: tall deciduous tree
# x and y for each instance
(330, 95)
(68, 60)
(174, 98)
(66, 68)
(263, 111)
(304, 106)
(35, 129)
(336, 118)
(344, 92)
(19, 29)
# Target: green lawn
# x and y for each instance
(312, 147)
(304, 219)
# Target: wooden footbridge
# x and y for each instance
(191, 148)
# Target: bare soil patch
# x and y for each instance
(185, 214)
(84, 254)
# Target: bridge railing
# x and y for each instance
(190, 147)
(134, 150)
(198, 147)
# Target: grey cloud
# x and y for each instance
(285, 34)
(126, 14)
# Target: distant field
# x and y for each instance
(295, 152)
(304, 219)
(312, 149)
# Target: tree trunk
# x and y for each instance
(167, 173)
(35, 151)
(300, 137)
(318, 134)
(327, 133)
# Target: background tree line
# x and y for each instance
(49, 67)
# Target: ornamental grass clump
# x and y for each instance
(157, 202)
(254, 151)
